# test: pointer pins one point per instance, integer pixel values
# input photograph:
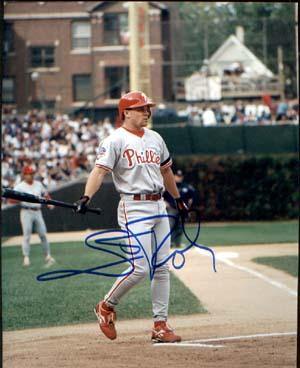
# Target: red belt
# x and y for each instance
(30, 208)
(147, 197)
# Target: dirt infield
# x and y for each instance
(252, 320)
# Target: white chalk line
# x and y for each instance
(270, 281)
(202, 343)
(243, 337)
(187, 344)
(260, 276)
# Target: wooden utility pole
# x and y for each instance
(139, 47)
(134, 57)
(145, 48)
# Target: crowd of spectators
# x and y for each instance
(59, 148)
(241, 113)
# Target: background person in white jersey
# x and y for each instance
(31, 216)
(141, 169)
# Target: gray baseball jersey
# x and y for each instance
(135, 161)
(30, 217)
(36, 188)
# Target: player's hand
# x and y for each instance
(182, 208)
(50, 206)
(81, 204)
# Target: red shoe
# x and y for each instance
(106, 317)
(163, 333)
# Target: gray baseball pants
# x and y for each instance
(33, 220)
(128, 211)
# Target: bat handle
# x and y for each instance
(98, 211)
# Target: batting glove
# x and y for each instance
(182, 208)
(82, 204)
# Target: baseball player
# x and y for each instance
(140, 164)
(31, 215)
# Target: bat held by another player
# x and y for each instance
(26, 197)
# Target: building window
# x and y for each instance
(81, 35)
(116, 29)
(82, 87)
(42, 56)
(48, 105)
(8, 90)
(116, 81)
(8, 38)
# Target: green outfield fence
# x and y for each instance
(231, 139)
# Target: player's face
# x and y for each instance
(28, 178)
(139, 116)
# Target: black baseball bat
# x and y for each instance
(27, 197)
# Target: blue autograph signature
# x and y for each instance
(129, 253)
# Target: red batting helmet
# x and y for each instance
(27, 170)
(132, 100)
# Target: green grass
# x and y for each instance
(29, 303)
(247, 233)
(287, 264)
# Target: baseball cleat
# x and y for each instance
(106, 317)
(49, 261)
(26, 261)
(163, 333)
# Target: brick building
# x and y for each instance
(66, 55)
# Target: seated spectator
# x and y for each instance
(193, 115)
(281, 112)
(208, 117)
(228, 113)
(293, 111)
(218, 114)
(250, 110)
(263, 114)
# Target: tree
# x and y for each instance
(206, 25)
